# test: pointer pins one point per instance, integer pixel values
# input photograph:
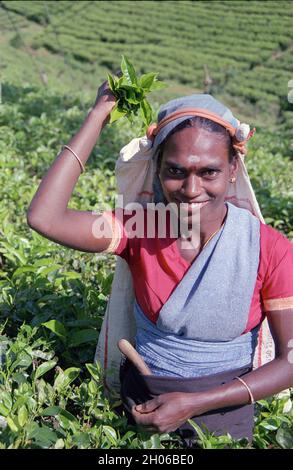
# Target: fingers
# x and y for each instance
(148, 406)
(150, 422)
(143, 419)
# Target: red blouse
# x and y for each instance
(157, 267)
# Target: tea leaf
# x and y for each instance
(22, 415)
(147, 80)
(116, 114)
(130, 92)
(45, 367)
(57, 328)
(82, 336)
(128, 70)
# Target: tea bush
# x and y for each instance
(53, 299)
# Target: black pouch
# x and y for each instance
(238, 420)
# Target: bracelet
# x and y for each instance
(73, 152)
(248, 389)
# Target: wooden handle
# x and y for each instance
(128, 350)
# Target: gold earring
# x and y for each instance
(232, 180)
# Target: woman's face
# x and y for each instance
(195, 169)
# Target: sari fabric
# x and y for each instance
(204, 307)
(199, 329)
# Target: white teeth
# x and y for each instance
(192, 208)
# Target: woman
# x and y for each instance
(199, 299)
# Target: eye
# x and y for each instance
(174, 171)
(210, 173)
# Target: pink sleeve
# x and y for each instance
(277, 289)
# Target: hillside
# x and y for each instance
(245, 47)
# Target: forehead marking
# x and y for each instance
(193, 159)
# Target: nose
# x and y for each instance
(191, 186)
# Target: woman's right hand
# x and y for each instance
(105, 99)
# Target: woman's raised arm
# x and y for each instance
(48, 213)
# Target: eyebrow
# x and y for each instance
(211, 166)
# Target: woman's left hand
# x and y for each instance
(166, 412)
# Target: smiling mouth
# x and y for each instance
(192, 207)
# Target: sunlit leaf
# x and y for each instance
(44, 368)
(56, 327)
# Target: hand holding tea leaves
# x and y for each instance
(130, 92)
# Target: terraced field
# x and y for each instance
(245, 47)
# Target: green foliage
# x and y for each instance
(246, 46)
(131, 91)
(52, 299)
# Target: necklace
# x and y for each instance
(213, 234)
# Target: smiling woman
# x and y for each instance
(198, 308)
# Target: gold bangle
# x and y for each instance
(73, 152)
(248, 389)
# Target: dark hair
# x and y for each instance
(200, 123)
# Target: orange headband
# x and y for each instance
(155, 128)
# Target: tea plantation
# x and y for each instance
(53, 57)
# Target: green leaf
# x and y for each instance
(65, 378)
(59, 444)
(56, 327)
(43, 262)
(81, 440)
(13, 424)
(270, 424)
(3, 410)
(131, 94)
(23, 360)
(198, 430)
(22, 415)
(19, 378)
(95, 371)
(46, 270)
(57, 410)
(156, 442)
(23, 269)
(116, 114)
(147, 112)
(284, 437)
(83, 336)
(147, 80)
(128, 70)
(110, 434)
(45, 367)
(43, 436)
(6, 399)
(158, 85)
(71, 275)
(111, 83)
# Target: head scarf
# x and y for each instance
(204, 105)
(181, 109)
